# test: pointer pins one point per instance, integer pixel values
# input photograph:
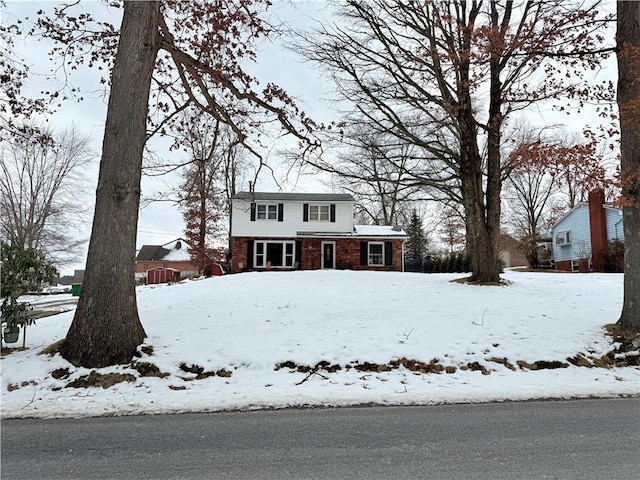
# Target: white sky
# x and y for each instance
(248, 323)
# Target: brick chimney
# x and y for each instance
(598, 229)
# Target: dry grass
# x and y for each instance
(52, 349)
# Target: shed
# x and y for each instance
(162, 275)
(213, 270)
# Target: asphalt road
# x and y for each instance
(587, 439)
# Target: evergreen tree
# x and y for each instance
(24, 270)
(417, 243)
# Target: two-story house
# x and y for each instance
(582, 236)
(308, 231)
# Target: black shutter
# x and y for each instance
(253, 211)
(280, 212)
(364, 253)
(332, 209)
(250, 254)
(298, 255)
(388, 253)
(305, 212)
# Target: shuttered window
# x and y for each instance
(376, 254)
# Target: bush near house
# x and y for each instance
(614, 256)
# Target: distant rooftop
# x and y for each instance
(294, 197)
(176, 250)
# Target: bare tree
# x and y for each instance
(373, 168)
(41, 188)
(203, 195)
(628, 41)
(203, 47)
(445, 76)
(451, 226)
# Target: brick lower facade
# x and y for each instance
(581, 266)
(308, 255)
(183, 266)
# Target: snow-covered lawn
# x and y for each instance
(256, 340)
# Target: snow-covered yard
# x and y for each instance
(336, 338)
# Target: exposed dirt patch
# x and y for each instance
(147, 369)
(476, 367)
(52, 349)
(541, 365)
(15, 386)
(147, 349)
(502, 361)
(323, 365)
(627, 354)
(223, 373)
(472, 281)
(95, 379)
(9, 350)
(177, 387)
(200, 372)
(434, 366)
(580, 360)
(60, 373)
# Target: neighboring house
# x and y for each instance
(173, 255)
(509, 251)
(581, 237)
(308, 231)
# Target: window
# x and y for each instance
(319, 213)
(274, 254)
(259, 260)
(266, 212)
(376, 253)
(563, 238)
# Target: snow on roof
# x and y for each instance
(379, 231)
(178, 251)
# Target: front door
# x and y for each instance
(328, 255)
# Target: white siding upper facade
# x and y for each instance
(285, 215)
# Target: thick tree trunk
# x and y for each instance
(482, 219)
(628, 42)
(482, 212)
(106, 329)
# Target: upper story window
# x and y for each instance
(319, 213)
(266, 212)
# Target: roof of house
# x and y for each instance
(361, 231)
(174, 251)
(578, 206)
(379, 231)
(294, 197)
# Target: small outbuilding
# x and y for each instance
(162, 275)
